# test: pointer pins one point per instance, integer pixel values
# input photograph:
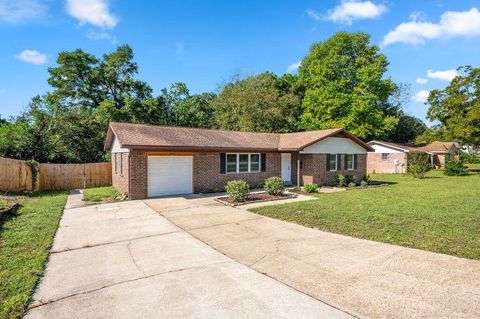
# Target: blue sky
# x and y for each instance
(203, 43)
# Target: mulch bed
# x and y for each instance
(300, 192)
(254, 198)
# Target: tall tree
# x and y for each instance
(259, 103)
(457, 107)
(345, 86)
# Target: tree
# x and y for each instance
(434, 133)
(195, 111)
(457, 107)
(345, 86)
(262, 103)
(407, 129)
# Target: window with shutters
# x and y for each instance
(242, 163)
(332, 158)
(349, 162)
(385, 156)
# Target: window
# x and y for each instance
(243, 163)
(349, 162)
(254, 163)
(231, 163)
(385, 156)
(332, 158)
(115, 160)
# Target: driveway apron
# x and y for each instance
(124, 260)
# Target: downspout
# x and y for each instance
(298, 170)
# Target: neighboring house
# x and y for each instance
(393, 158)
(149, 160)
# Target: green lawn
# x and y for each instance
(25, 239)
(100, 193)
(3, 203)
(438, 213)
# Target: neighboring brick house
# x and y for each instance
(149, 160)
(393, 157)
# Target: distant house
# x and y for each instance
(392, 157)
(150, 160)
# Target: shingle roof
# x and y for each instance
(175, 137)
(432, 147)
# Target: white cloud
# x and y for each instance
(15, 11)
(350, 10)
(94, 35)
(418, 16)
(452, 24)
(314, 14)
(94, 12)
(421, 96)
(32, 56)
(446, 75)
(294, 67)
(421, 81)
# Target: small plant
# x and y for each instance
(351, 185)
(274, 186)
(364, 183)
(455, 168)
(238, 190)
(349, 179)
(367, 179)
(310, 188)
(418, 164)
(339, 180)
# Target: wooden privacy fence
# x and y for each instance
(16, 176)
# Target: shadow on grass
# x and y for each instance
(6, 217)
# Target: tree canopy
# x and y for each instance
(457, 107)
(345, 86)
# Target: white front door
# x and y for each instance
(287, 167)
(169, 175)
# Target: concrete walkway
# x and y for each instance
(125, 261)
(364, 278)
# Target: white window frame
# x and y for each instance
(352, 166)
(388, 156)
(336, 162)
(237, 171)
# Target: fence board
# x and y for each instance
(71, 176)
(16, 175)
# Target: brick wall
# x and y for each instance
(207, 176)
(138, 175)
(119, 175)
(313, 169)
(375, 163)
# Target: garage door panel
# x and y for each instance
(169, 175)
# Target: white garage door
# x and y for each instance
(169, 175)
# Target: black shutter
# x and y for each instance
(339, 162)
(263, 158)
(345, 161)
(223, 164)
(354, 161)
(328, 162)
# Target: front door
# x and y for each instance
(287, 167)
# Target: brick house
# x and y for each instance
(149, 160)
(393, 157)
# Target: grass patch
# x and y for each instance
(99, 194)
(439, 213)
(25, 239)
(3, 203)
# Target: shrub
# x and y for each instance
(351, 185)
(310, 188)
(274, 186)
(339, 180)
(469, 158)
(364, 183)
(238, 190)
(455, 168)
(418, 164)
(367, 179)
(349, 179)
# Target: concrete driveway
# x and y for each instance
(365, 278)
(126, 261)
